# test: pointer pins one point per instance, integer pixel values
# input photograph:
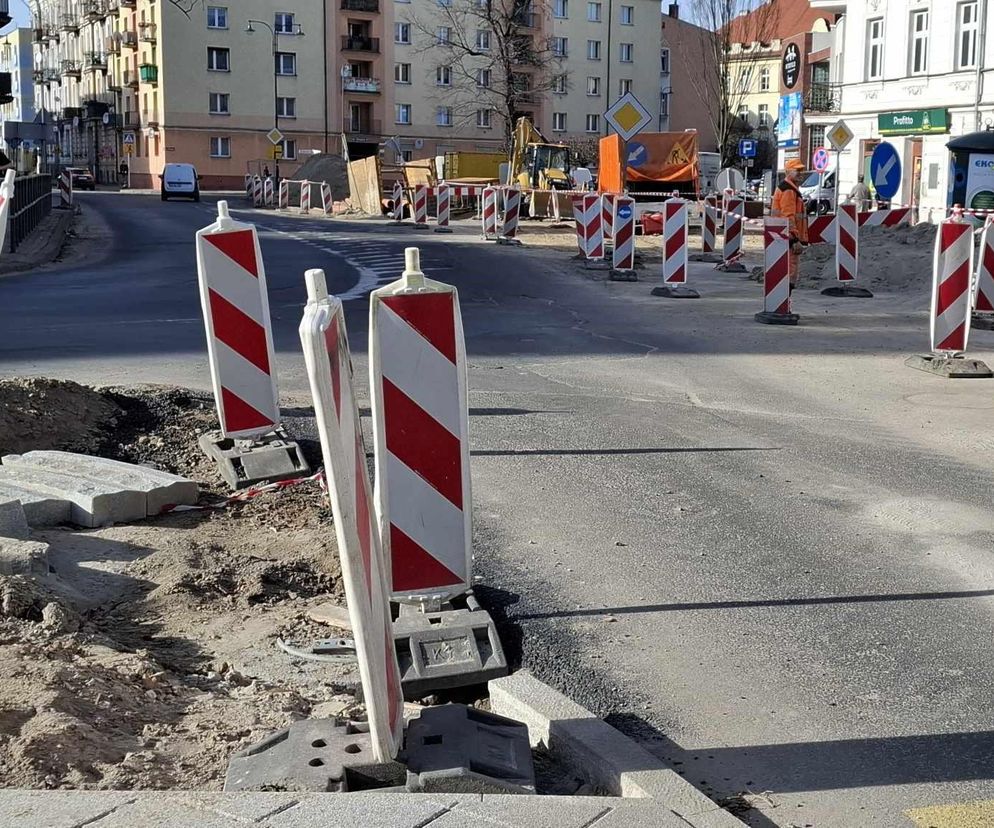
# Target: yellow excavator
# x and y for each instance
(537, 164)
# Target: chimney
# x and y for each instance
(674, 11)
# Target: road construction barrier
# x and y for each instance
(268, 194)
(6, 200)
(490, 195)
(417, 361)
(593, 227)
(821, 229)
(421, 205)
(709, 228)
(65, 189)
(776, 274)
(257, 192)
(623, 222)
(327, 199)
(239, 334)
(305, 196)
(676, 252)
(397, 197)
(890, 217)
(512, 213)
(731, 248)
(248, 185)
(443, 206)
(847, 255)
(579, 226)
(952, 269)
(983, 298)
(329, 371)
(283, 200)
(607, 216)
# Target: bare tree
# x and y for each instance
(725, 75)
(491, 55)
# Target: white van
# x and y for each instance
(180, 180)
(818, 191)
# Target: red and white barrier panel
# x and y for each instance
(676, 252)
(952, 268)
(421, 205)
(258, 192)
(329, 370)
(417, 360)
(709, 228)
(305, 196)
(821, 230)
(847, 244)
(443, 207)
(776, 274)
(327, 200)
(6, 199)
(607, 215)
(248, 185)
(623, 222)
(397, 197)
(578, 222)
(593, 228)
(268, 194)
(512, 214)
(885, 218)
(65, 188)
(983, 299)
(283, 198)
(239, 334)
(731, 249)
(490, 195)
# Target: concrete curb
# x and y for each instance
(605, 756)
(40, 254)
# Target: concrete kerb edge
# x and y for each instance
(602, 754)
(51, 251)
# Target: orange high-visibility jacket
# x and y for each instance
(788, 204)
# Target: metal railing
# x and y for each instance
(362, 126)
(360, 44)
(372, 6)
(823, 97)
(32, 202)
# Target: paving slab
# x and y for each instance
(13, 522)
(161, 489)
(92, 503)
(23, 557)
(40, 509)
(165, 812)
(59, 809)
(368, 810)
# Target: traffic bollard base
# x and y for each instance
(675, 292)
(458, 749)
(446, 648)
(709, 258)
(731, 267)
(506, 240)
(597, 264)
(950, 367)
(769, 318)
(442, 229)
(847, 289)
(246, 462)
(322, 755)
(623, 275)
(982, 322)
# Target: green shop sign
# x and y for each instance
(915, 122)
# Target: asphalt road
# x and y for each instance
(765, 552)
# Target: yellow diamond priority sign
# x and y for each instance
(839, 136)
(627, 116)
(274, 136)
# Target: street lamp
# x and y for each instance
(296, 32)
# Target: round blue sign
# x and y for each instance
(820, 160)
(885, 170)
(624, 211)
(637, 154)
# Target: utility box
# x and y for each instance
(971, 168)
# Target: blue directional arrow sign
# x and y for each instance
(637, 154)
(624, 211)
(885, 170)
(747, 148)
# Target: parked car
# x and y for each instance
(82, 178)
(180, 180)
(818, 191)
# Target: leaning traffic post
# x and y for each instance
(983, 297)
(489, 215)
(65, 189)
(424, 504)
(398, 202)
(847, 255)
(731, 249)
(709, 233)
(251, 445)
(512, 214)
(675, 252)
(776, 274)
(952, 270)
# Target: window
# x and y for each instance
(745, 79)
(764, 79)
(664, 60)
(483, 78)
(286, 63)
(624, 86)
(218, 104)
(401, 32)
(593, 86)
(625, 52)
(218, 59)
(289, 149)
(558, 121)
(483, 118)
(444, 34)
(593, 123)
(402, 113)
(919, 42)
(443, 76)
(764, 116)
(402, 72)
(559, 84)
(220, 147)
(664, 108)
(967, 25)
(628, 15)
(483, 40)
(217, 17)
(286, 107)
(560, 46)
(594, 12)
(283, 24)
(593, 50)
(875, 48)
(744, 112)
(816, 136)
(560, 9)
(443, 116)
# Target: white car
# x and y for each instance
(180, 180)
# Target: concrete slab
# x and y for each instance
(40, 509)
(23, 557)
(248, 806)
(149, 811)
(161, 489)
(13, 522)
(59, 809)
(369, 810)
(92, 503)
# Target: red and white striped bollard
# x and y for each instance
(443, 207)
(676, 252)
(623, 255)
(983, 295)
(305, 196)
(731, 249)
(776, 274)
(593, 229)
(847, 255)
(490, 195)
(420, 205)
(512, 214)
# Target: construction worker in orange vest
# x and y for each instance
(789, 204)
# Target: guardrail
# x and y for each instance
(32, 202)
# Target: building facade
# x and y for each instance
(914, 74)
(686, 55)
(16, 58)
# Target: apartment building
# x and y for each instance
(686, 55)
(17, 61)
(914, 73)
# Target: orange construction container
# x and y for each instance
(656, 161)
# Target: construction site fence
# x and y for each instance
(32, 202)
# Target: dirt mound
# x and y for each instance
(330, 169)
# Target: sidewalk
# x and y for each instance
(42, 245)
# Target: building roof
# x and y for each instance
(777, 20)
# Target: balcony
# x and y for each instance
(94, 10)
(146, 32)
(365, 85)
(37, 75)
(5, 17)
(149, 73)
(97, 107)
(360, 44)
(130, 78)
(129, 4)
(370, 6)
(129, 39)
(71, 68)
(52, 75)
(527, 19)
(112, 45)
(71, 112)
(362, 126)
(95, 61)
(70, 24)
(131, 120)
(823, 97)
